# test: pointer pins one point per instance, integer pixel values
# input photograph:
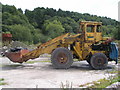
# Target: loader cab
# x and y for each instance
(91, 30)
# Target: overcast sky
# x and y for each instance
(107, 8)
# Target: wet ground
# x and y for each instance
(43, 75)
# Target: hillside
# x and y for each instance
(43, 24)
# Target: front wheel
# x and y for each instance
(61, 58)
(99, 61)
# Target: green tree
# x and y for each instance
(20, 10)
(68, 28)
(21, 33)
(53, 29)
(10, 9)
(117, 32)
(43, 24)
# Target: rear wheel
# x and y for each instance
(99, 61)
(61, 58)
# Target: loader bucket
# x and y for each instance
(16, 56)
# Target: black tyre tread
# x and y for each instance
(88, 59)
(55, 62)
(93, 59)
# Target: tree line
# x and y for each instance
(43, 24)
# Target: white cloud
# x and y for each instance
(107, 8)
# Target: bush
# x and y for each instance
(21, 33)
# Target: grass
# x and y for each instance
(66, 86)
(119, 60)
(114, 72)
(75, 60)
(102, 83)
(14, 65)
(85, 84)
(31, 62)
(1, 65)
(2, 81)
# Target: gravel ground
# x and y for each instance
(43, 75)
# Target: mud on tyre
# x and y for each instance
(99, 61)
(61, 58)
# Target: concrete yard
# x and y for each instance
(43, 75)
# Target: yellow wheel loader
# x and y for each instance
(89, 45)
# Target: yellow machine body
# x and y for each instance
(82, 41)
(88, 45)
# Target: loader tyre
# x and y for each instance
(61, 58)
(99, 61)
(88, 58)
(88, 61)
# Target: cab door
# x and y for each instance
(93, 33)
